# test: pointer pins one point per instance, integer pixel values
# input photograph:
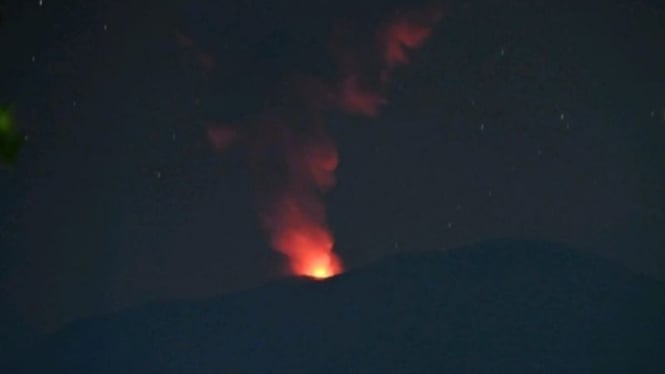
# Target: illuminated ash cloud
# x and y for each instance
(289, 151)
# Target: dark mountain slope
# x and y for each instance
(502, 307)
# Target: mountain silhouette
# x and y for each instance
(498, 307)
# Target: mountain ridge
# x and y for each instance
(502, 306)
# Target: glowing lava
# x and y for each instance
(325, 267)
(308, 247)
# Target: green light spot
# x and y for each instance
(11, 140)
(5, 121)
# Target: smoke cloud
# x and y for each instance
(289, 151)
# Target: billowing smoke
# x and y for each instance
(291, 155)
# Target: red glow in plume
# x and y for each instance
(290, 204)
(290, 153)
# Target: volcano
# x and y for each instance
(499, 307)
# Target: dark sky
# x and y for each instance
(525, 119)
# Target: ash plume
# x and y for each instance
(335, 57)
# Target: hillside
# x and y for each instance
(501, 307)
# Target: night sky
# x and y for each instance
(523, 119)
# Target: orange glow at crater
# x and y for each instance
(307, 245)
(326, 267)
